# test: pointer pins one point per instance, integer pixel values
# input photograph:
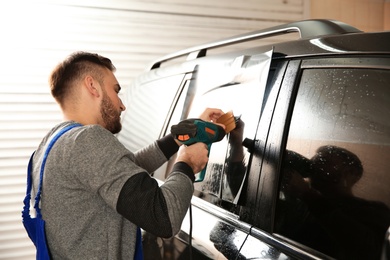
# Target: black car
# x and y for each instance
(305, 173)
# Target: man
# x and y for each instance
(95, 192)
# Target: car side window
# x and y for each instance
(147, 107)
(237, 86)
(228, 159)
(334, 191)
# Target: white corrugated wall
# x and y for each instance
(36, 35)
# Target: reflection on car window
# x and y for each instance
(334, 193)
(237, 87)
(228, 159)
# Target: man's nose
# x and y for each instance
(122, 106)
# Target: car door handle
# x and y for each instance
(249, 144)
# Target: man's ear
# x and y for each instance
(92, 86)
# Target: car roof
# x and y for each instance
(317, 37)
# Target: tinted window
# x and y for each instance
(334, 194)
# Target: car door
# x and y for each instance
(261, 243)
(329, 143)
(215, 225)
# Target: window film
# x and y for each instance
(236, 86)
(334, 193)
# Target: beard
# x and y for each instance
(110, 116)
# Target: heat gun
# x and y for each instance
(192, 131)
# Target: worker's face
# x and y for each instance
(111, 105)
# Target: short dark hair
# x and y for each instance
(75, 67)
(342, 162)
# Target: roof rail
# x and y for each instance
(306, 29)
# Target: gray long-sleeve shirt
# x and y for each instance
(95, 192)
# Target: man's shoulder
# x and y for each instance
(91, 135)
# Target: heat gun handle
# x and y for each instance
(201, 175)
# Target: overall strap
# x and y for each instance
(27, 199)
(29, 173)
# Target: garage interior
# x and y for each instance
(37, 34)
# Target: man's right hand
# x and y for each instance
(195, 155)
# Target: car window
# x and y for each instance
(237, 86)
(334, 192)
(147, 107)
